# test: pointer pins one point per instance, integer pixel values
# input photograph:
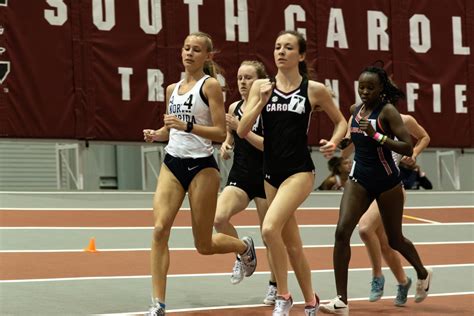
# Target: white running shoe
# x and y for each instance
(271, 296)
(237, 272)
(312, 310)
(335, 306)
(249, 257)
(156, 309)
(282, 306)
(423, 286)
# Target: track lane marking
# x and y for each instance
(189, 227)
(421, 243)
(226, 274)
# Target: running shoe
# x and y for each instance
(312, 310)
(249, 257)
(282, 306)
(402, 293)
(156, 309)
(237, 272)
(271, 295)
(376, 288)
(423, 286)
(335, 306)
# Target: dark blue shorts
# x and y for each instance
(185, 169)
(376, 187)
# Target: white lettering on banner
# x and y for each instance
(336, 29)
(377, 24)
(412, 95)
(58, 17)
(377, 21)
(193, 6)
(436, 98)
(420, 42)
(236, 21)
(154, 26)
(126, 72)
(155, 80)
(333, 85)
(295, 13)
(107, 22)
(458, 49)
(460, 98)
(459, 95)
(241, 20)
(155, 85)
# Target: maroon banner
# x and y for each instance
(98, 69)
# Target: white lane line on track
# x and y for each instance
(189, 227)
(99, 209)
(197, 309)
(423, 243)
(226, 274)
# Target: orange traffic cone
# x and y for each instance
(91, 247)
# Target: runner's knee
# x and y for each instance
(342, 234)
(161, 234)
(396, 243)
(269, 233)
(203, 247)
(365, 232)
(221, 221)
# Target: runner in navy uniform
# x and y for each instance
(245, 181)
(285, 107)
(374, 175)
(373, 235)
(195, 117)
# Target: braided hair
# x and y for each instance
(390, 92)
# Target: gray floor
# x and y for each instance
(140, 200)
(85, 296)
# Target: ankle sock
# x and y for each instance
(272, 283)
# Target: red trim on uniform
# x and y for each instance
(383, 160)
(379, 123)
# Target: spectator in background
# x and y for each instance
(340, 168)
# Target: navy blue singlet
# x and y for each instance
(373, 166)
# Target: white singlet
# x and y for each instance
(191, 106)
